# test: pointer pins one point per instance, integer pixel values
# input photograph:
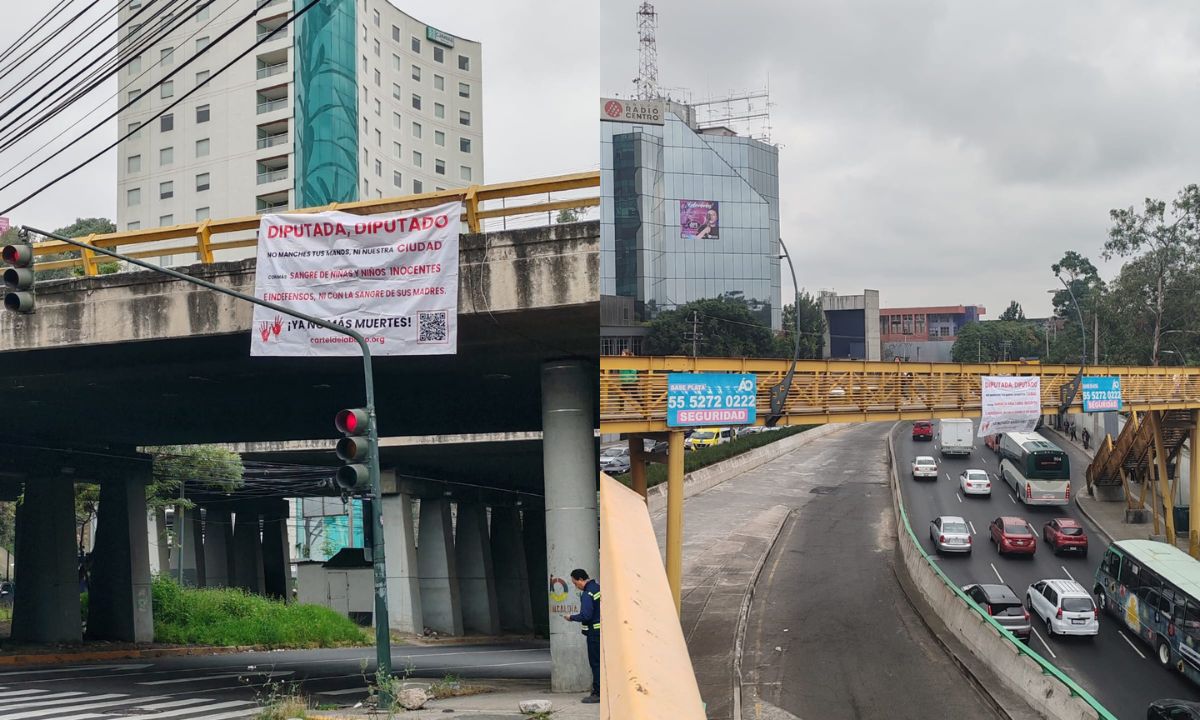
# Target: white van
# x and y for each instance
(957, 436)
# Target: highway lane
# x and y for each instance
(1116, 668)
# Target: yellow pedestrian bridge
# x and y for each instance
(1163, 406)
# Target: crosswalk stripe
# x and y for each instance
(14, 693)
(73, 668)
(25, 702)
(202, 678)
(248, 712)
(43, 711)
(347, 691)
(206, 709)
(85, 716)
(173, 703)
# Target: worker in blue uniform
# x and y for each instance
(589, 616)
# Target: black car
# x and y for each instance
(1173, 710)
(1004, 606)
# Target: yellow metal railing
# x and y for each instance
(633, 390)
(200, 238)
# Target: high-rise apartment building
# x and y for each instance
(354, 100)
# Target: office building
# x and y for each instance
(851, 325)
(687, 213)
(924, 334)
(354, 100)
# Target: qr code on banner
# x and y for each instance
(431, 327)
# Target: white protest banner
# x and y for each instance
(1010, 404)
(393, 278)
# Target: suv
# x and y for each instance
(1065, 607)
(922, 430)
(1002, 603)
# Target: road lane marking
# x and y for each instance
(972, 526)
(1044, 644)
(73, 668)
(206, 709)
(13, 693)
(1135, 647)
(24, 702)
(347, 691)
(1012, 499)
(1068, 572)
(56, 711)
(172, 704)
(202, 678)
(958, 496)
(947, 477)
(996, 571)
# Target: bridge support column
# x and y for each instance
(191, 549)
(119, 595)
(533, 533)
(276, 561)
(476, 575)
(218, 546)
(403, 584)
(511, 571)
(440, 603)
(46, 609)
(572, 517)
(247, 568)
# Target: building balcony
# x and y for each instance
(266, 71)
(263, 30)
(270, 176)
(270, 141)
(266, 106)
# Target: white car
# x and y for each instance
(949, 533)
(1064, 606)
(924, 467)
(975, 482)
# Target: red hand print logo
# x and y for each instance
(264, 329)
(277, 326)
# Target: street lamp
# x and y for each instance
(779, 393)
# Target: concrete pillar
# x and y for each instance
(476, 578)
(191, 547)
(119, 597)
(510, 570)
(46, 608)
(277, 561)
(436, 568)
(247, 570)
(533, 532)
(403, 584)
(218, 546)
(572, 516)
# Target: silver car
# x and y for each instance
(950, 533)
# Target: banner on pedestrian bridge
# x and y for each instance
(1010, 404)
(392, 278)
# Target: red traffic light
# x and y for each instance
(352, 422)
(19, 255)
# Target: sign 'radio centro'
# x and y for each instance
(700, 399)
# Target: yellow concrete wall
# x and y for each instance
(646, 673)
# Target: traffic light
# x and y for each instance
(352, 450)
(18, 279)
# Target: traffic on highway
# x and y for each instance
(1043, 553)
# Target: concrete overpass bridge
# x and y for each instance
(111, 363)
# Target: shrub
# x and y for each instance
(696, 459)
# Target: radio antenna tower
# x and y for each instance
(647, 81)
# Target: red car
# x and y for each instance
(1065, 534)
(1013, 535)
(922, 430)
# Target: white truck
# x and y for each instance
(957, 436)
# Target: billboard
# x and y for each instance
(393, 278)
(699, 219)
(703, 399)
(642, 112)
(1101, 394)
(1010, 404)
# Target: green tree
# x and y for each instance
(196, 466)
(1083, 280)
(812, 329)
(997, 340)
(570, 215)
(1164, 245)
(82, 227)
(726, 328)
(1014, 312)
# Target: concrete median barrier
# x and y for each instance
(1040, 683)
(705, 478)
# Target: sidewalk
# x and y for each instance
(1107, 515)
(499, 705)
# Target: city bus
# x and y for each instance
(1038, 472)
(1154, 590)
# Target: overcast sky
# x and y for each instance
(539, 101)
(944, 152)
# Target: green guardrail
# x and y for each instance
(1048, 668)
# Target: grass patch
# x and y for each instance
(452, 686)
(229, 616)
(656, 473)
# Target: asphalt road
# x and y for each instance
(1115, 667)
(223, 687)
(830, 632)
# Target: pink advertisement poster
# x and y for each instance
(699, 219)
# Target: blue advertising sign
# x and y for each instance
(699, 399)
(1101, 394)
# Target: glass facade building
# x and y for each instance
(686, 214)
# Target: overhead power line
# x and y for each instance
(210, 78)
(34, 30)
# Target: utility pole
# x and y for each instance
(694, 335)
(1095, 339)
(979, 351)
